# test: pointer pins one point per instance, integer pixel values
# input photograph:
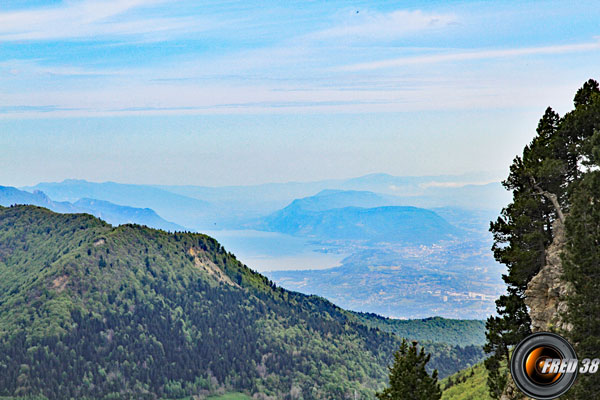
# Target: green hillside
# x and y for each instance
(468, 384)
(92, 311)
(461, 332)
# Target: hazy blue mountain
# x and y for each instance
(473, 220)
(236, 206)
(10, 196)
(459, 332)
(466, 190)
(119, 215)
(274, 194)
(388, 223)
(114, 214)
(330, 198)
(186, 211)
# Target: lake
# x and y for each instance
(271, 251)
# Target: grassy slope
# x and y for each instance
(470, 384)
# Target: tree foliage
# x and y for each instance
(582, 270)
(409, 379)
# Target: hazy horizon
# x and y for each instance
(463, 179)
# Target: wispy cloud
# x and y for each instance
(369, 25)
(87, 19)
(120, 97)
(264, 64)
(472, 55)
(31, 68)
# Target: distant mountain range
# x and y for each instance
(112, 213)
(182, 210)
(10, 196)
(229, 207)
(479, 190)
(335, 214)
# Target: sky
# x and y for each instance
(230, 93)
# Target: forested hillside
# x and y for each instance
(435, 329)
(88, 310)
(556, 188)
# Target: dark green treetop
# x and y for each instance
(408, 378)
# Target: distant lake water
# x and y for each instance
(271, 251)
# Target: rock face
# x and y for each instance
(546, 298)
(511, 392)
(546, 294)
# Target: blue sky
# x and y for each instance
(210, 93)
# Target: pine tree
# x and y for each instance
(408, 378)
(521, 235)
(581, 259)
(555, 179)
(582, 270)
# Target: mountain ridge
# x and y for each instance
(383, 223)
(133, 312)
(180, 209)
(227, 207)
(114, 214)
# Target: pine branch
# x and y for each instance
(550, 196)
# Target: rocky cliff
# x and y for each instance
(546, 298)
(546, 294)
